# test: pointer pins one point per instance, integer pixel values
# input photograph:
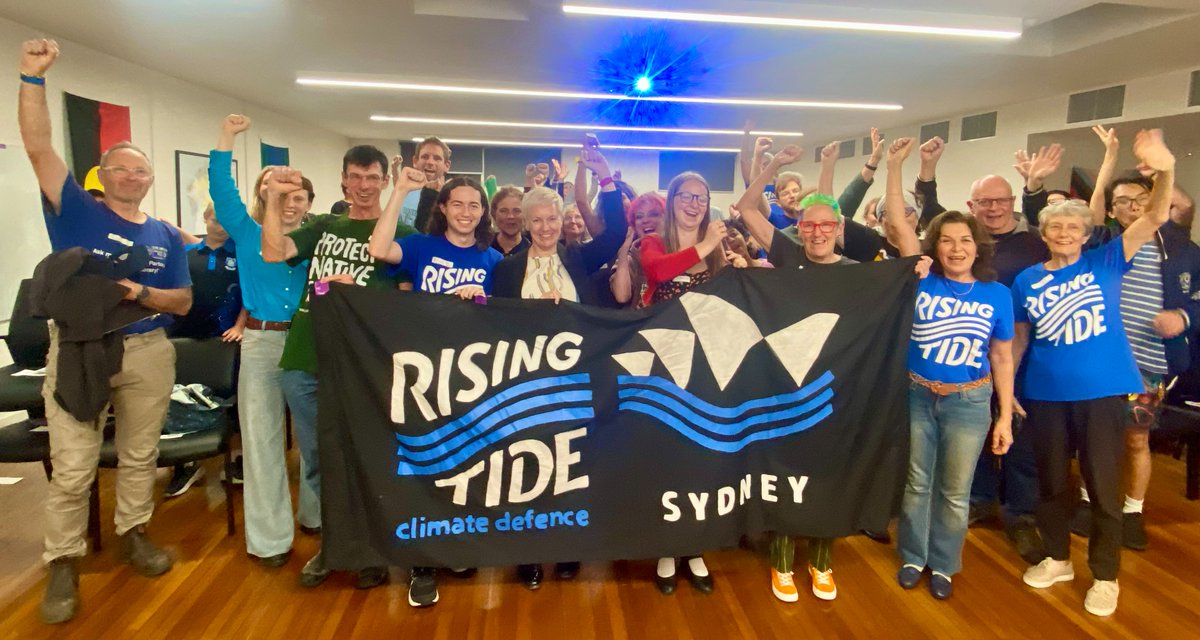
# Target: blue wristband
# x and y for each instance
(38, 80)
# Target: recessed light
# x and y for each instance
(573, 127)
(569, 145)
(583, 95)
(802, 23)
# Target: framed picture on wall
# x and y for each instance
(191, 189)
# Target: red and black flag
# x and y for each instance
(92, 127)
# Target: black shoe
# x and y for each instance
(371, 577)
(909, 576)
(1081, 521)
(1133, 532)
(530, 575)
(566, 570)
(882, 537)
(979, 512)
(1027, 541)
(235, 472)
(275, 561)
(310, 531)
(145, 557)
(314, 572)
(183, 478)
(665, 585)
(61, 600)
(703, 584)
(940, 586)
(422, 587)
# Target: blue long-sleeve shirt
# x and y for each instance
(270, 291)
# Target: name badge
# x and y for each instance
(683, 279)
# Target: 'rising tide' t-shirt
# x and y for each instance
(436, 265)
(953, 325)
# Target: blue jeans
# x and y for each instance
(946, 434)
(1011, 480)
(302, 398)
(262, 391)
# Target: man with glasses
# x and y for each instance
(1159, 313)
(140, 392)
(337, 247)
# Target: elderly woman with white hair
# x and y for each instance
(554, 270)
(1079, 373)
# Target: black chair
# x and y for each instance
(214, 364)
(28, 340)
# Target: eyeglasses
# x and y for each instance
(1125, 201)
(124, 172)
(988, 203)
(692, 198)
(827, 226)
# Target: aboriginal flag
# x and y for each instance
(93, 127)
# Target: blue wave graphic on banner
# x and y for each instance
(554, 416)
(511, 393)
(498, 418)
(700, 421)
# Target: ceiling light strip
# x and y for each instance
(802, 23)
(569, 145)
(573, 127)
(582, 95)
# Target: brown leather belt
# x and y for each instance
(261, 325)
(946, 388)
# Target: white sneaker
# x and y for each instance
(1101, 599)
(1047, 572)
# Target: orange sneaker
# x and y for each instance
(783, 586)
(823, 586)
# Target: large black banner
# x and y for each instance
(458, 434)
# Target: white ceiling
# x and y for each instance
(255, 49)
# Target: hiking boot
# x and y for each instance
(61, 600)
(145, 557)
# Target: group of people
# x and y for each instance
(1065, 288)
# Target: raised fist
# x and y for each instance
(831, 151)
(37, 56)
(788, 155)
(932, 150)
(235, 124)
(284, 180)
(409, 179)
(899, 150)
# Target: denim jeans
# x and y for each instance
(267, 502)
(301, 390)
(947, 433)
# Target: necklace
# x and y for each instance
(950, 286)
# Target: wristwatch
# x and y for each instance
(142, 295)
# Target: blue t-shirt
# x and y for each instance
(81, 221)
(408, 208)
(953, 326)
(779, 218)
(1077, 346)
(438, 266)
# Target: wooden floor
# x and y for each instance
(215, 591)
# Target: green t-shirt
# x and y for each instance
(334, 244)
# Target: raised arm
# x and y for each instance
(33, 118)
(829, 158)
(867, 173)
(603, 247)
(583, 199)
(756, 223)
(228, 207)
(926, 187)
(383, 245)
(1108, 167)
(621, 282)
(746, 154)
(1151, 152)
(899, 231)
(277, 247)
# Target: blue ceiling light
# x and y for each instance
(649, 62)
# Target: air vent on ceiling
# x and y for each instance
(847, 149)
(1194, 92)
(1096, 105)
(979, 126)
(937, 129)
